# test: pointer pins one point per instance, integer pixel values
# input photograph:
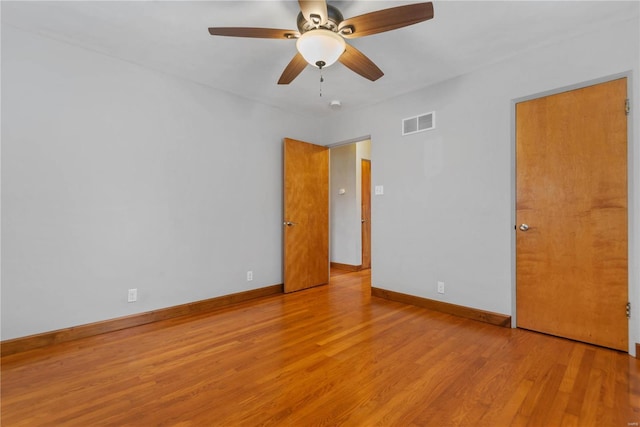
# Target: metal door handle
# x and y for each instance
(363, 221)
(523, 227)
(289, 223)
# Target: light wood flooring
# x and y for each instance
(328, 356)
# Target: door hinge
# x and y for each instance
(628, 310)
(627, 107)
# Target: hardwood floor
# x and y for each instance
(331, 355)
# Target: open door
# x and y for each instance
(306, 215)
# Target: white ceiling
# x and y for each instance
(172, 37)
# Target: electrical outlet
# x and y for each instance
(133, 295)
(440, 287)
(249, 276)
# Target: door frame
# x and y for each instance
(633, 187)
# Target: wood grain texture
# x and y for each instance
(359, 63)
(571, 265)
(291, 71)
(445, 307)
(331, 355)
(31, 342)
(387, 19)
(306, 205)
(261, 33)
(365, 208)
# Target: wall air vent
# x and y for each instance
(419, 123)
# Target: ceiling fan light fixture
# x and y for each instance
(320, 47)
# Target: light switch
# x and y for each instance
(379, 190)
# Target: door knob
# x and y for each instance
(523, 227)
(363, 221)
(289, 223)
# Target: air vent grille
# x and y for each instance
(419, 123)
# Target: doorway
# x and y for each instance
(571, 214)
(350, 242)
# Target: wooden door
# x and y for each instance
(366, 212)
(306, 215)
(571, 263)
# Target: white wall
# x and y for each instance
(344, 211)
(448, 211)
(118, 177)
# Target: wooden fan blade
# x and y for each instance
(260, 33)
(314, 11)
(295, 67)
(385, 20)
(357, 61)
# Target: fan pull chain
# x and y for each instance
(321, 80)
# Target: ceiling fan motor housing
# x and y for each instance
(334, 19)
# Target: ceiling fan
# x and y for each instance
(322, 30)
